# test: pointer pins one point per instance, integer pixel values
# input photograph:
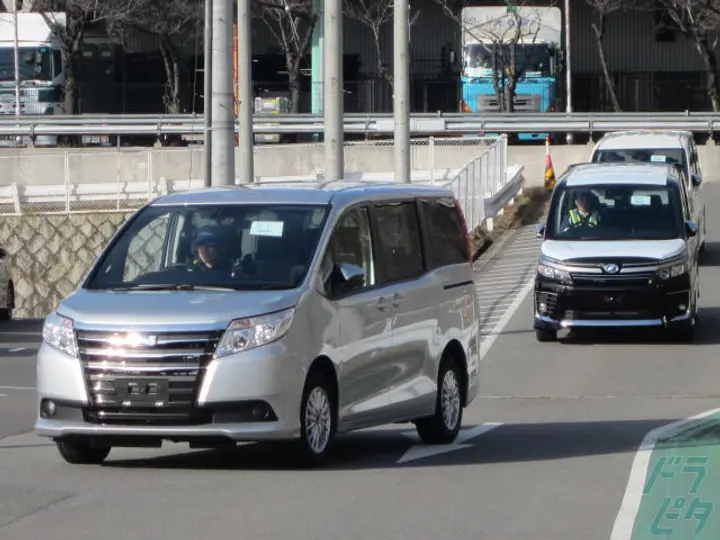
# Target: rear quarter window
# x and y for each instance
(446, 239)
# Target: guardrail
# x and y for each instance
(427, 124)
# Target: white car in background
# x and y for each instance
(662, 147)
(7, 289)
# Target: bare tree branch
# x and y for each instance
(79, 15)
(602, 9)
(374, 14)
(699, 21)
(174, 23)
(291, 23)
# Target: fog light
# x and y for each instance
(682, 307)
(260, 412)
(543, 307)
(48, 407)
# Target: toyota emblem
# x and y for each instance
(611, 268)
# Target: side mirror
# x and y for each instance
(540, 230)
(691, 228)
(348, 277)
(695, 180)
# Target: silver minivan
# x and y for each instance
(269, 311)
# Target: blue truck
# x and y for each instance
(490, 37)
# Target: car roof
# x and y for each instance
(641, 139)
(651, 174)
(342, 192)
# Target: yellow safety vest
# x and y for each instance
(576, 218)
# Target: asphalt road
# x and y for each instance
(565, 420)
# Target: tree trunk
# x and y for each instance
(609, 83)
(710, 62)
(511, 80)
(70, 86)
(172, 75)
(293, 67)
(382, 70)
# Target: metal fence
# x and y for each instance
(76, 181)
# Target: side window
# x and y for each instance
(350, 243)
(145, 252)
(399, 242)
(446, 238)
(57, 63)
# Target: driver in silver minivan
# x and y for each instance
(267, 312)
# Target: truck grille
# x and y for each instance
(155, 382)
(521, 103)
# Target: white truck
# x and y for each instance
(41, 68)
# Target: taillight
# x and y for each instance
(465, 107)
(468, 234)
(552, 108)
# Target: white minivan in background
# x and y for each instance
(662, 147)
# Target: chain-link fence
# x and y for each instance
(71, 181)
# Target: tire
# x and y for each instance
(318, 420)
(684, 333)
(544, 335)
(80, 451)
(6, 313)
(443, 427)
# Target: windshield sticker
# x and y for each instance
(658, 158)
(640, 200)
(267, 228)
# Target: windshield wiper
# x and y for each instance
(172, 287)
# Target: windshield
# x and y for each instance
(530, 60)
(616, 212)
(239, 247)
(644, 155)
(35, 64)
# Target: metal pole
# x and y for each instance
(568, 68)
(207, 97)
(316, 62)
(401, 86)
(333, 90)
(16, 59)
(245, 95)
(223, 117)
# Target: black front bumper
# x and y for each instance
(559, 306)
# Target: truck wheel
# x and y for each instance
(81, 451)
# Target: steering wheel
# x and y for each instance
(182, 266)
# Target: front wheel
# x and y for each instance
(543, 335)
(444, 426)
(318, 420)
(81, 451)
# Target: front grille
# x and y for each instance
(612, 280)
(521, 103)
(151, 383)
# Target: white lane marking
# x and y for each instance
(17, 388)
(18, 349)
(630, 505)
(419, 451)
(502, 323)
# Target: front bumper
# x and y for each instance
(251, 396)
(559, 306)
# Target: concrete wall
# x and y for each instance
(38, 167)
(48, 166)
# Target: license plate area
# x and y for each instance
(142, 391)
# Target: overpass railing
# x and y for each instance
(379, 124)
(72, 181)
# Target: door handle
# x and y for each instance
(382, 303)
(397, 300)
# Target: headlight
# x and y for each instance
(673, 268)
(244, 334)
(550, 270)
(58, 333)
